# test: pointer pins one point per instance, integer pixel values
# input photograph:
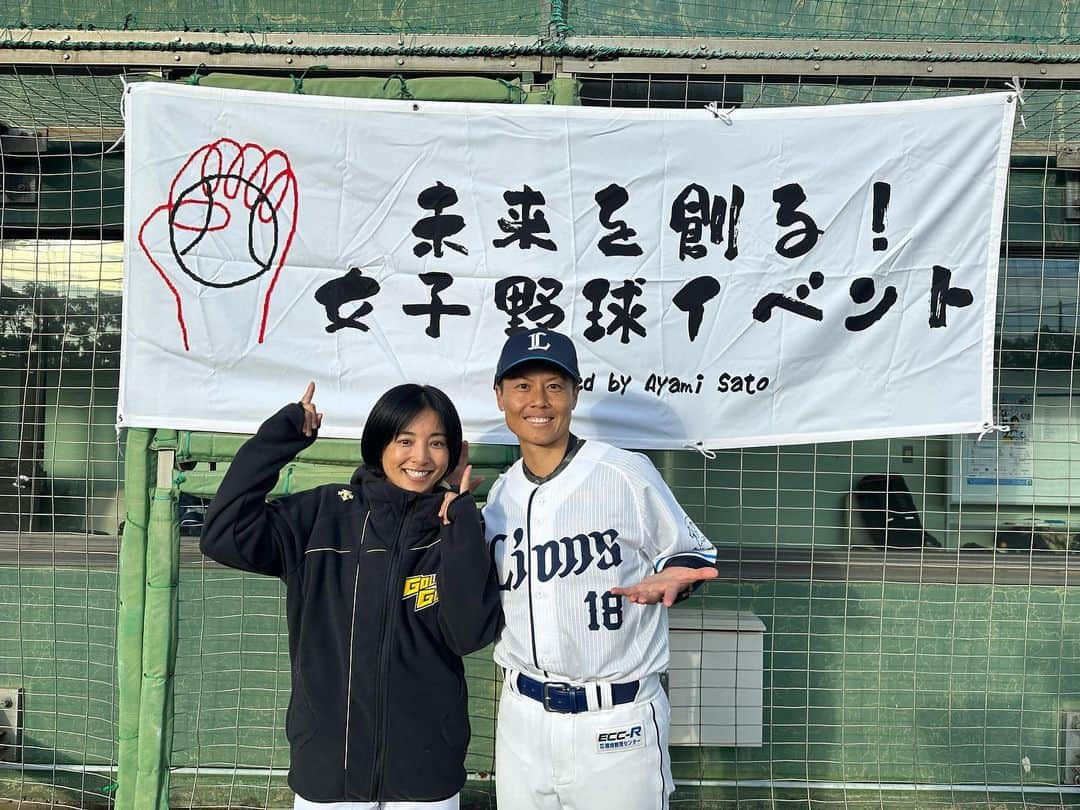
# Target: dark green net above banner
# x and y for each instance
(972, 20)
(520, 17)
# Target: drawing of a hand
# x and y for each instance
(229, 219)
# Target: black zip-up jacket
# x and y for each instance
(382, 601)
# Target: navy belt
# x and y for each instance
(566, 699)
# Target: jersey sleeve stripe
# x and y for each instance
(687, 559)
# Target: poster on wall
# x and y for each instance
(1035, 461)
(766, 276)
(1006, 459)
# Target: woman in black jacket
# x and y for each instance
(388, 584)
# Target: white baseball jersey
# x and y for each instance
(606, 520)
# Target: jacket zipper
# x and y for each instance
(352, 640)
(528, 576)
(386, 639)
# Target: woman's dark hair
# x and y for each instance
(393, 413)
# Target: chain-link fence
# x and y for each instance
(942, 673)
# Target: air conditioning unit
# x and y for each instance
(714, 680)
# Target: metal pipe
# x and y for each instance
(891, 787)
(781, 784)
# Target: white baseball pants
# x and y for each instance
(607, 758)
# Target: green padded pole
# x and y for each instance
(565, 90)
(159, 641)
(137, 484)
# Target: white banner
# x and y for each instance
(760, 277)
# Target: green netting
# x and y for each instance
(519, 17)
(992, 21)
(892, 679)
(47, 99)
(986, 20)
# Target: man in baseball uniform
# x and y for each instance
(591, 548)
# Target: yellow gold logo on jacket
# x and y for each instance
(423, 588)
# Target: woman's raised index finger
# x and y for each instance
(465, 476)
(308, 393)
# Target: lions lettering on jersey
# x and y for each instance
(562, 557)
(560, 547)
(423, 588)
(620, 739)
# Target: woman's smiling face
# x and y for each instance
(418, 457)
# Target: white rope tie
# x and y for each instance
(123, 114)
(700, 448)
(990, 427)
(718, 112)
(1017, 88)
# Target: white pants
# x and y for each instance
(446, 804)
(608, 758)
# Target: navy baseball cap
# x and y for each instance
(538, 346)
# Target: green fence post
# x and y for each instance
(129, 634)
(159, 640)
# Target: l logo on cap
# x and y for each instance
(535, 342)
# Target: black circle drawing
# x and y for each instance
(206, 185)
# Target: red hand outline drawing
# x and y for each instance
(203, 199)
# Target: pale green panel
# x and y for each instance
(232, 670)
(255, 790)
(891, 682)
(397, 86)
(58, 644)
